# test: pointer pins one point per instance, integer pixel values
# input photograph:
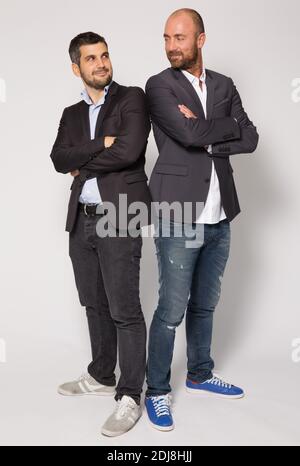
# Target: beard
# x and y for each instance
(184, 62)
(97, 82)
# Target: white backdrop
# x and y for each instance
(43, 330)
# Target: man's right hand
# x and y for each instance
(109, 141)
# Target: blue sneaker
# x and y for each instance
(215, 387)
(159, 412)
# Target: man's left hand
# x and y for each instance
(186, 112)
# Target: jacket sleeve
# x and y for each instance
(67, 158)
(131, 140)
(248, 141)
(164, 111)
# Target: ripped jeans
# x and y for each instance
(190, 283)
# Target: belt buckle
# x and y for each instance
(85, 211)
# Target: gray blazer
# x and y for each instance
(183, 169)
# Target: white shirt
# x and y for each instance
(213, 211)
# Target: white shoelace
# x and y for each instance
(162, 405)
(217, 381)
(124, 406)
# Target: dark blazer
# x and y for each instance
(183, 169)
(119, 169)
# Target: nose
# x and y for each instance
(100, 63)
(172, 46)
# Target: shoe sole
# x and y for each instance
(160, 428)
(108, 433)
(63, 393)
(205, 393)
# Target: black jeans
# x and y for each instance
(107, 275)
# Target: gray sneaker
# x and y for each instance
(85, 385)
(124, 418)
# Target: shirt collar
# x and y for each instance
(193, 78)
(85, 96)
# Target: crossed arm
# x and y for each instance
(106, 154)
(230, 135)
(248, 141)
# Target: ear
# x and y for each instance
(201, 40)
(76, 70)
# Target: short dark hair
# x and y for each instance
(86, 38)
(196, 17)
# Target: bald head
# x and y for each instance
(184, 39)
(193, 15)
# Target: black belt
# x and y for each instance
(90, 210)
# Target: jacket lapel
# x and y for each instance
(85, 120)
(210, 94)
(188, 87)
(85, 115)
(108, 104)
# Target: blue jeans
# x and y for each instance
(190, 282)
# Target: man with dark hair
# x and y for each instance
(87, 38)
(102, 142)
(199, 122)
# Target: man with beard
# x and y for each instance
(198, 121)
(102, 142)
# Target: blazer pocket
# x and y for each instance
(169, 169)
(224, 101)
(135, 177)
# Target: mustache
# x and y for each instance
(175, 54)
(100, 70)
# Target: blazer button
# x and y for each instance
(207, 180)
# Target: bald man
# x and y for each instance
(198, 122)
